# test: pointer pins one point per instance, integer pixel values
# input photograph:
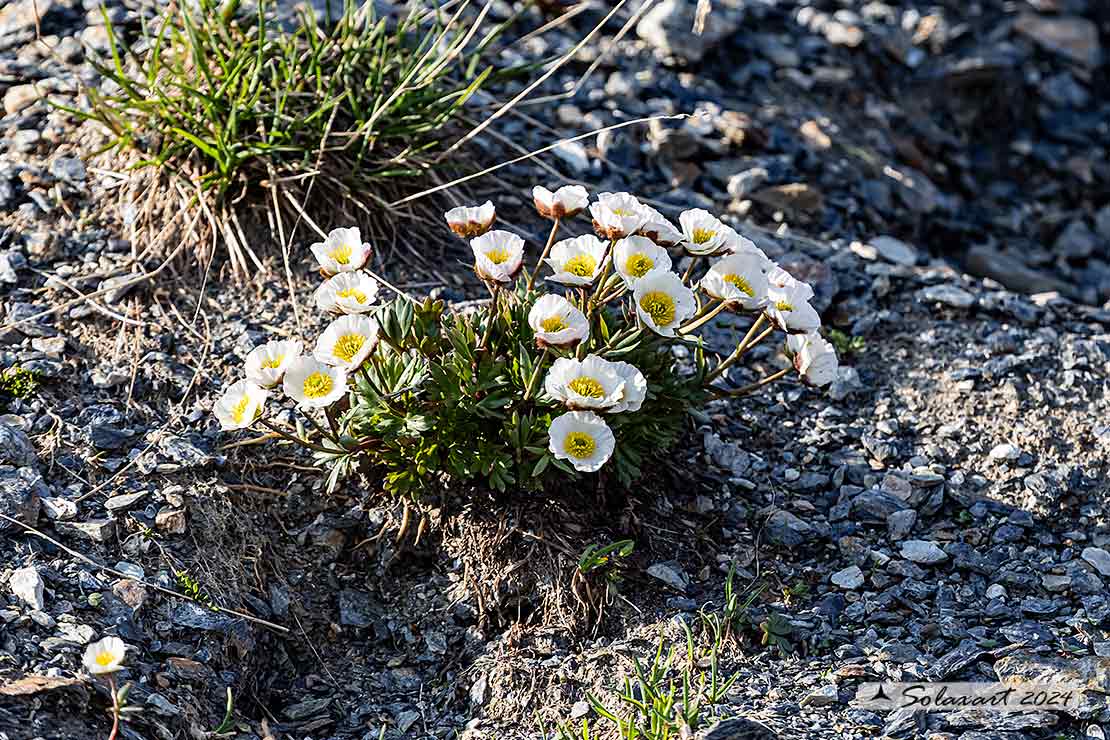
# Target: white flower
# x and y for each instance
(347, 292)
(105, 656)
(471, 221)
(592, 383)
(239, 405)
(705, 234)
(347, 341)
(780, 278)
(342, 251)
(788, 303)
(314, 385)
(556, 322)
(737, 243)
(565, 202)
(582, 438)
(634, 257)
(266, 364)
(616, 215)
(577, 261)
(813, 357)
(657, 228)
(635, 388)
(497, 255)
(663, 302)
(738, 279)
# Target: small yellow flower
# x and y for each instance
(498, 255)
(617, 215)
(739, 280)
(592, 383)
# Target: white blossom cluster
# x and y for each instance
(627, 260)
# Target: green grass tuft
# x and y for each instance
(246, 111)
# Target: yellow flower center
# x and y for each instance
(318, 385)
(553, 324)
(638, 265)
(784, 306)
(355, 293)
(237, 413)
(579, 445)
(701, 236)
(582, 265)
(659, 306)
(273, 363)
(106, 659)
(620, 212)
(347, 346)
(740, 282)
(497, 255)
(588, 387)
(341, 254)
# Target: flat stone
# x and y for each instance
(670, 573)
(900, 523)
(123, 502)
(822, 697)
(923, 552)
(948, 295)
(21, 492)
(1098, 558)
(848, 579)
(97, 530)
(172, 521)
(1069, 36)
(15, 447)
(895, 250)
(58, 509)
(19, 97)
(27, 585)
(783, 528)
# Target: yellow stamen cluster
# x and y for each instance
(107, 658)
(355, 293)
(317, 385)
(579, 445)
(659, 306)
(740, 282)
(588, 387)
(347, 346)
(273, 363)
(582, 265)
(341, 254)
(638, 265)
(701, 236)
(497, 255)
(237, 413)
(553, 324)
(784, 306)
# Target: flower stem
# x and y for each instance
(706, 316)
(535, 374)
(690, 270)
(302, 442)
(115, 707)
(543, 256)
(754, 386)
(496, 291)
(741, 348)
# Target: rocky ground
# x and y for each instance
(937, 170)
